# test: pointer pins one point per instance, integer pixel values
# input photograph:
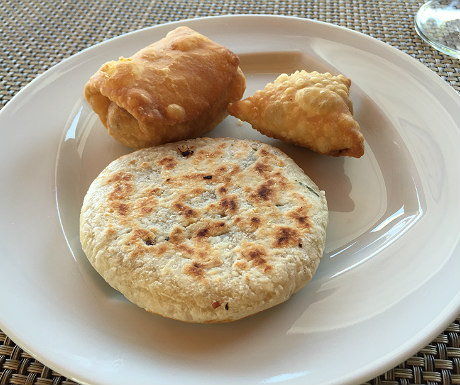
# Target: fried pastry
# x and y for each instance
(312, 110)
(205, 230)
(176, 88)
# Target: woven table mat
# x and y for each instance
(36, 35)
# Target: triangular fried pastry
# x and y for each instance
(310, 109)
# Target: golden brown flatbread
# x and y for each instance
(312, 110)
(205, 230)
(176, 88)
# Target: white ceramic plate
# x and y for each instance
(388, 282)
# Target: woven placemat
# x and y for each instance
(36, 35)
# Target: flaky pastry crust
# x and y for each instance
(176, 88)
(312, 110)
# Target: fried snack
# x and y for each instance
(176, 88)
(205, 230)
(312, 110)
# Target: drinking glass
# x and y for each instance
(438, 23)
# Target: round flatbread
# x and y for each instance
(205, 230)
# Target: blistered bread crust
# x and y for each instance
(310, 109)
(205, 230)
(176, 88)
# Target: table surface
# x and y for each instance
(34, 36)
